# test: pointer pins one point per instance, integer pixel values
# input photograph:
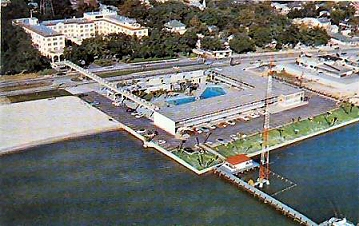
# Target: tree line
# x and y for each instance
(250, 26)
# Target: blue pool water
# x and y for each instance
(212, 91)
(180, 100)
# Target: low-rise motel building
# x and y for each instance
(220, 95)
(49, 36)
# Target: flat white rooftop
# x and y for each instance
(31, 123)
(232, 99)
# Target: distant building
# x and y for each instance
(198, 4)
(213, 54)
(313, 22)
(5, 2)
(213, 28)
(49, 42)
(175, 26)
(330, 65)
(49, 36)
(324, 13)
(280, 8)
(339, 39)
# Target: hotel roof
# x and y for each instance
(66, 21)
(232, 99)
(43, 30)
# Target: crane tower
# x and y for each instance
(264, 161)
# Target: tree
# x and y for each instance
(261, 35)
(195, 21)
(134, 9)
(211, 43)
(314, 36)
(242, 44)
(308, 10)
(112, 2)
(18, 54)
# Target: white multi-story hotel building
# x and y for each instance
(49, 36)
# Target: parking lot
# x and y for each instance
(316, 105)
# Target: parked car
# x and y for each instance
(212, 127)
(140, 131)
(139, 116)
(222, 125)
(205, 129)
(189, 150)
(244, 118)
(95, 103)
(254, 115)
(115, 103)
(231, 122)
(130, 110)
(197, 130)
(234, 137)
(161, 141)
(221, 141)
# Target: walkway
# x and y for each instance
(110, 86)
(286, 210)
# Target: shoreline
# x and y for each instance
(56, 139)
(151, 144)
(296, 140)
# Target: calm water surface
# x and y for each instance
(109, 179)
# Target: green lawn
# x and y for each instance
(197, 160)
(138, 60)
(289, 132)
(39, 95)
(117, 73)
(104, 62)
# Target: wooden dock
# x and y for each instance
(281, 207)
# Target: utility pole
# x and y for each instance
(46, 7)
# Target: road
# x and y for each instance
(163, 67)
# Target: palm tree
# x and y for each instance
(351, 108)
(280, 130)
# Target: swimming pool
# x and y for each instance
(181, 100)
(212, 91)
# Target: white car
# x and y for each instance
(139, 116)
(140, 131)
(231, 122)
(212, 127)
(161, 141)
(244, 118)
(254, 115)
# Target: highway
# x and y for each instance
(164, 67)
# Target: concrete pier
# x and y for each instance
(281, 207)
